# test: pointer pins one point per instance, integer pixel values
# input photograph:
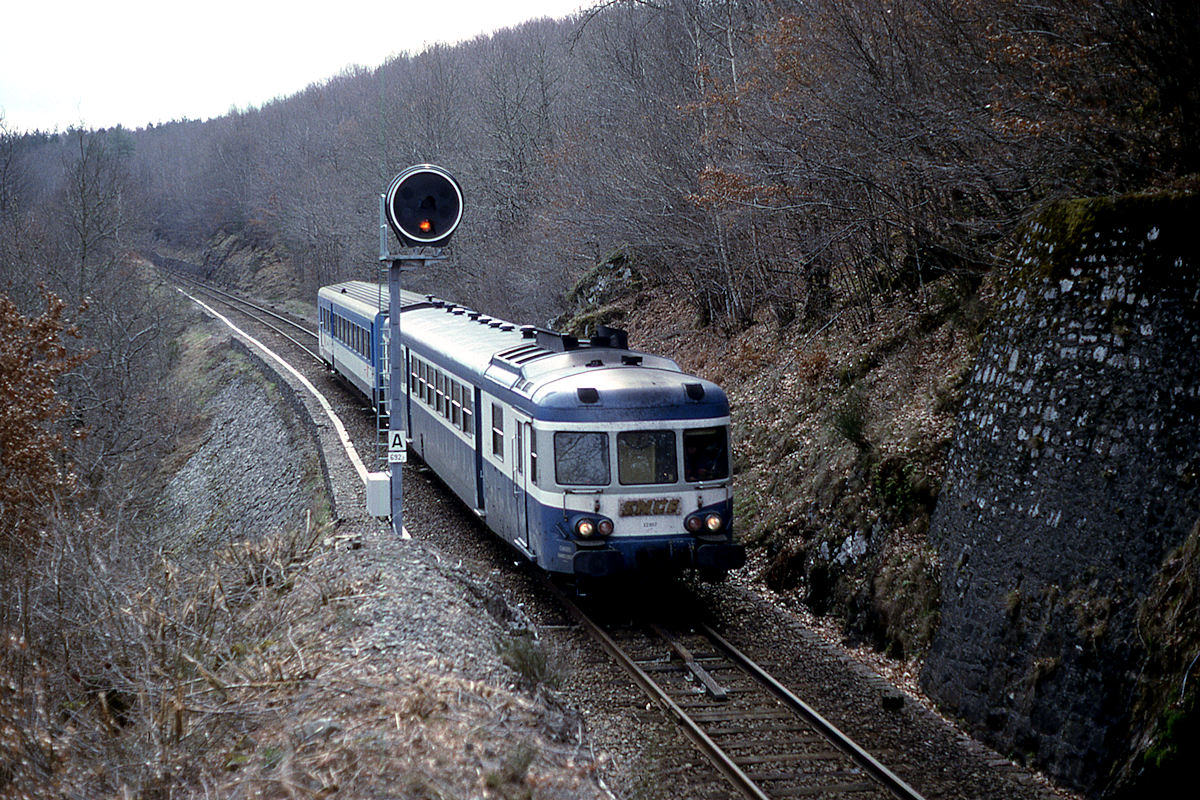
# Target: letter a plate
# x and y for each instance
(397, 449)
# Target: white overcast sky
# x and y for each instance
(135, 62)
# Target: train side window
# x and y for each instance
(518, 447)
(430, 372)
(705, 454)
(456, 403)
(414, 376)
(497, 431)
(581, 458)
(468, 410)
(532, 455)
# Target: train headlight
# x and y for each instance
(604, 527)
(585, 529)
(714, 523)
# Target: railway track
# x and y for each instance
(766, 741)
(282, 325)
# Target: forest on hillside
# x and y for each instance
(780, 157)
(771, 162)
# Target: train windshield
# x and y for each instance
(581, 458)
(706, 454)
(645, 457)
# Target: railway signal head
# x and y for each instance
(423, 205)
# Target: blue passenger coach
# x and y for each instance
(589, 458)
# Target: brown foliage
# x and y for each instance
(32, 473)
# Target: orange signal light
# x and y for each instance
(425, 225)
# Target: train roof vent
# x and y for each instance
(588, 395)
(695, 391)
(631, 361)
(528, 332)
(522, 354)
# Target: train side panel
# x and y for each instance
(442, 428)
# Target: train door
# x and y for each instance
(522, 435)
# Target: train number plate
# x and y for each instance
(655, 507)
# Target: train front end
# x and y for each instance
(638, 474)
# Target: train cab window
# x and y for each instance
(706, 454)
(497, 431)
(581, 458)
(646, 457)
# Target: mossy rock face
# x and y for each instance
(1069, 469)
(1073, 239)
(595, 296)
(1165, 712)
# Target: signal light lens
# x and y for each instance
(423, 205)
(604, 527)
(694, 524)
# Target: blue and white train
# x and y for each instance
(589, 458)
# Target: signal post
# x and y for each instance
(423, 206)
